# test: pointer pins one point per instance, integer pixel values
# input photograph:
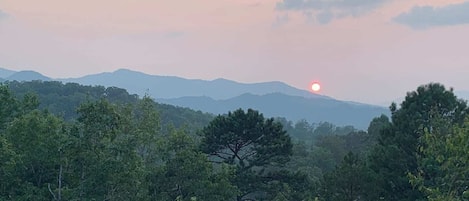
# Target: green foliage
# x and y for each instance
(63, 99)
(333, 144)
(302, 131)
(187, 174)
(377, 125)
(8, 106)
(106, 153)
(350, 181)
(307, 161)
(60, 99)
(8, 160)
(444, 164)
(72, 142)
(288, 185)
(251, 143)
(329, 150)
(396, 153)
(147, 131)
(36, 138)
(246, 140)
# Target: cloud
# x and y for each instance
(3, 15)
(281, 20)
(328, 4)
(421, 17)
(327, 10)
(325, 17)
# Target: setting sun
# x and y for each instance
(315, 87)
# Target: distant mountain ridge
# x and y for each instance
(4, 73)
(174, 87)
(168, 86)
(27, 76)
(273, 99)
(293, 108)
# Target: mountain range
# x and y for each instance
(176, 87)
(292, 107)
(273, 99)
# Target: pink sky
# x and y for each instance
(368, 57)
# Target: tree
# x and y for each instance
(333, 144)
(376, 126)
(396, 153)
(147, 130)
(358, 142)
(303, 131)
(187, 174)
(324, 128)
(348, 182)
(249, 142)
(106, 163)
(8, 160)
(444, 164)
(302, 160)
(37, 138)
(8, 108)
(63, 100)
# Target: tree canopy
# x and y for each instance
(72, 142)
(253, 144)
(396, 154)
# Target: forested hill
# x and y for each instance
(63, 99)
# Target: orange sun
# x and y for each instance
(315, 87)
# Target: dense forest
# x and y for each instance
(72, 142)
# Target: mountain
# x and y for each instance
(175, 87)
(27, 76)
(4, 73)
(293, 108)
(273, 99)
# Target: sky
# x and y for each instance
(370, 51)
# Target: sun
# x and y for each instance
(315, 86)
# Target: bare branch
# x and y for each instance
(52, 193)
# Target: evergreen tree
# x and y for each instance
(254, 145)
(396, 153)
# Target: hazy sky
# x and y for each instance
(369, 51)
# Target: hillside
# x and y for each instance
(293, 108)
(62, 99)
